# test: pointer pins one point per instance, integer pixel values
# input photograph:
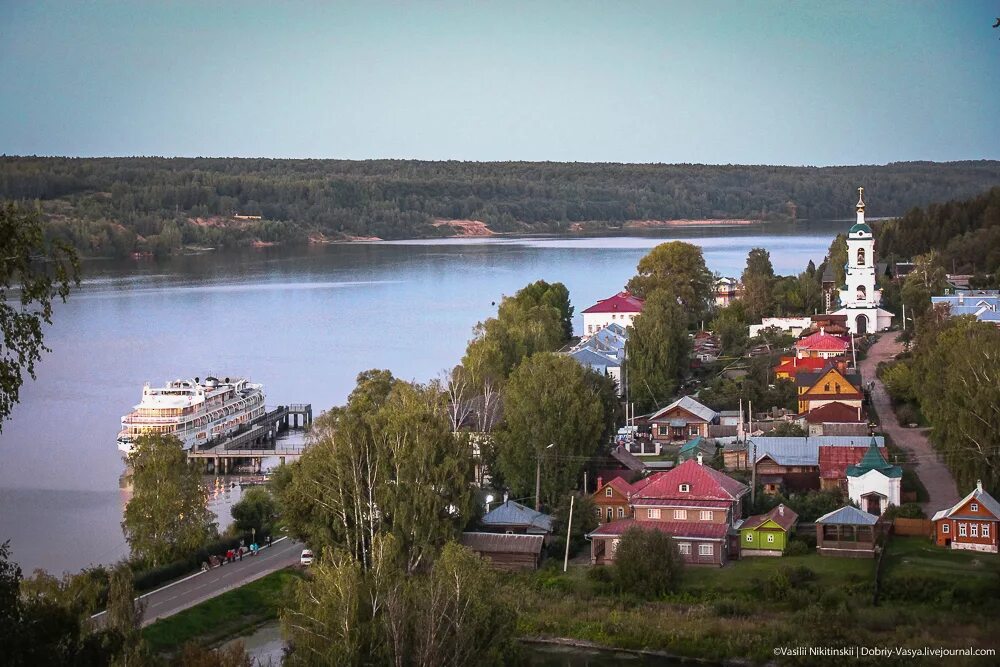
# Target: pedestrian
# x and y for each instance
(268, 540)
(241, 554)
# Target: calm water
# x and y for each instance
(304, 322)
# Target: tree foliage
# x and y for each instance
(168, 516)
(256, 510)
(385, 463)
(678, 269)
(33, 272)
(449, 615)
(549, 400)
(658, 348)
(758, 284)
(538, 318)
(647, 563)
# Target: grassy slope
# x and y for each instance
(225, 616)
(723, 613)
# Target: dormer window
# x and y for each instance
(684, 488)
(974, 507)
(607, 492)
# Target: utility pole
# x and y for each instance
(753, 475)
(904, 317)
(538, 479)
(569, 530)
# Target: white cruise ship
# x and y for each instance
(195, 412)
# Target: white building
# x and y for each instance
(859, 299)
(874, 483)
(619, 309)
(793, 325)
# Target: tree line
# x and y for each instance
(114, 206)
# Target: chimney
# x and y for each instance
(600, 482)
(822, 331)
(781, 510)
(979, 485)
(505, 497)
(699, 458)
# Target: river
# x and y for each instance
(303, 321)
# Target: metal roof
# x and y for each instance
(692, 406)
(848, 516)
(512, 513)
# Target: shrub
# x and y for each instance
(907, 414)
(601, 574)
(833, 599)
(647, 563)
(730, 608)
(799, 575)
(905, 511)
(797, 548)
(776, 587)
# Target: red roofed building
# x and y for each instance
(695, 504)
(821, 345)
(789, 366)
(611, 499)
(619, 309)
(834, 462)
(837, 418)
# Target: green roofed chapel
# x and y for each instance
(874, 483)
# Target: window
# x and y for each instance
(684, 548)
(826, 387)
(653, 513)
(861, 256)
(681, 515)
(664, 430)
(974, 530)
(614, 546)
(705, 550)
(961, 530)
(974, 507)
(621, 512)
(862, 292)
(986, 530)
(590, 328)
(608, 492)
(945, 528)
(692, 430)
(684, 488)
(707, 515)
(770, 538)
(749, 537)
(599, 513)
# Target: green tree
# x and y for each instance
(678, 269)
(647, 563)
(584, 522)
(549, 400)
(168, 516)
(657, 351)
(255, 511)
(385, 463)
(730, 325)
(788, 429)
(36, 271)
(927, 279)
(758, 282)
(124, 618)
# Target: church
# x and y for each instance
(859, 298)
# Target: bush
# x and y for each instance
(797, 548)
(732, 608)
(601, 574)
(799, 575)
(905, 511)
(776, 587)
(647, 563)
(833, 599)
(907, 414)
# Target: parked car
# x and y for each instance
(306, 558)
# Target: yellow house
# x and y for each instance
(827, 386)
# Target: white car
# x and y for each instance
(306, 558)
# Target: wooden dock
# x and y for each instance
(248, 448)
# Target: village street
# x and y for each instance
(935, 476)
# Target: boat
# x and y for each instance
(196, 412)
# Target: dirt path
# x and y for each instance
(932, 472)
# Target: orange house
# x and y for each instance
(970, 524)
(789, 367)
(827, 386)
(611, 500)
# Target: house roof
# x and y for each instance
(623, 302)
(848, 516)
(822, 341)
(618, 484)
(812, 378)
(834, 461)
(679, 529)
(705, 483)
(503, 543)
(834, 413)
(980, 495)
(684, 502)
(512, 513)
(874, 460)
(781, 515)
(695, 445)
(594, 360)
(689, 404)
(627, 459)
(804, 450)
(795, 365)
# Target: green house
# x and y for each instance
(767, 534)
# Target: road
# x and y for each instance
(936, 477)
(197, 588)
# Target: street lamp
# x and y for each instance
(538, 480)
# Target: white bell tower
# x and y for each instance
(859, 297)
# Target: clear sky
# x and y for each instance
(831, 82)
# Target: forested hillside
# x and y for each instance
(122, 205)
(964, 234)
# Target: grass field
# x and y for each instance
(228, 615)
(921, 556)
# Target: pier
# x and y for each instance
(249, 447)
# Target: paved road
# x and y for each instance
(941, 489)
(197, 588)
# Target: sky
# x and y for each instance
(797, 83)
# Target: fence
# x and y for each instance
(915, 527)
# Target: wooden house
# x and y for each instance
(696, 505)
(611, 499)
(830, 385)
(514, 518)
(504, 551)
(821, 345)
(680, 421)
(836, 418)
(789, 367)
(767, 534)
(848, 533)
(695, 447)
(972, 523)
